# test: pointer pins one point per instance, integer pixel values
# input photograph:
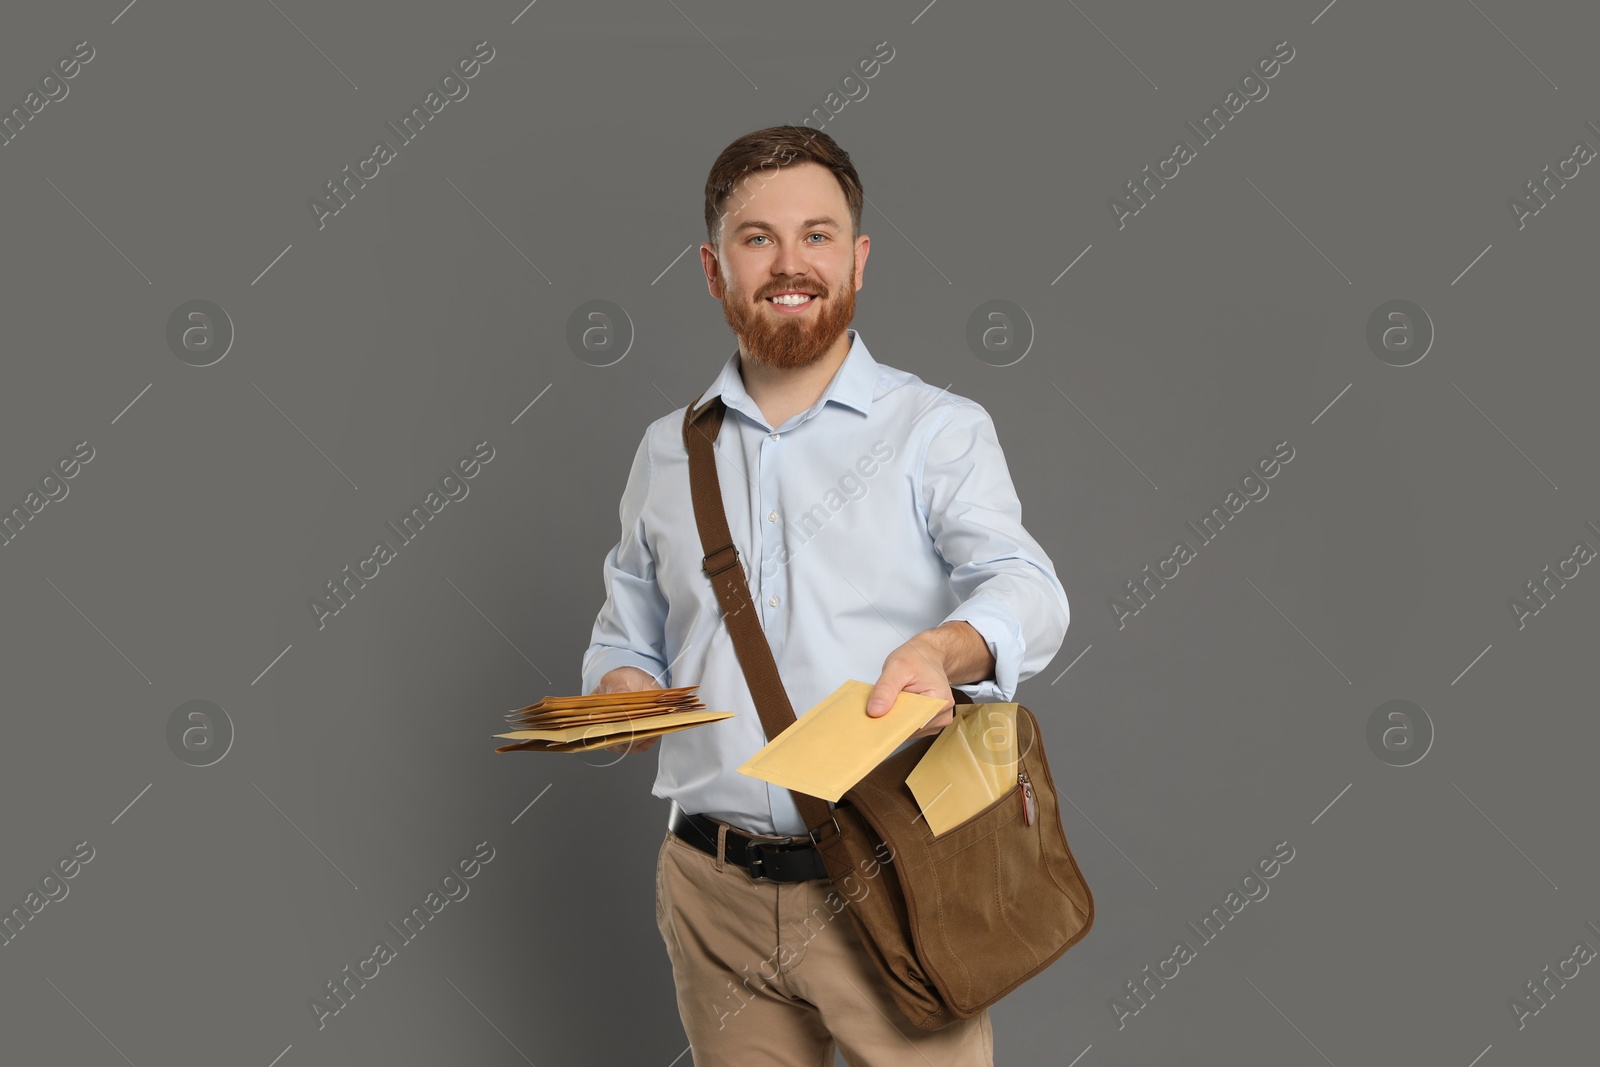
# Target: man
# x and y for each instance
(881, 537)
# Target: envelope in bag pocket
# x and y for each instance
(970, 765)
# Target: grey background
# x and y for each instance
(1227, 316)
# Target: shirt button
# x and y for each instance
(772, 516)
(772, 600)
(773, 436)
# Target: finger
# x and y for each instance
(640, 744)
(621, 744)
(883, 695)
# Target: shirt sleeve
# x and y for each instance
(1008, 588)
(630, 630)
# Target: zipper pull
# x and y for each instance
(1029, 805)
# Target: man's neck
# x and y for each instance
(782, 393)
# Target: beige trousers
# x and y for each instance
(773, 974)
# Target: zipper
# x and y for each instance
(1029, 804)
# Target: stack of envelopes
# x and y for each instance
(576, 724)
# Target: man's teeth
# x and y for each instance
(790, 300)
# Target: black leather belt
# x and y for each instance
(764, 859)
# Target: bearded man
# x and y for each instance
(919, 573)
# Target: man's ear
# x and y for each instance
(712, 267)
(863, 246)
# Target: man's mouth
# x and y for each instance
(791, 302)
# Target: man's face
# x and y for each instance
(787, 231)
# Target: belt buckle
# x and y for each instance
(758, 851)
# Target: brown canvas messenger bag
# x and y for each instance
(953, 922)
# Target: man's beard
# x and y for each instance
(785, 344)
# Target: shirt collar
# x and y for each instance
(852, 384)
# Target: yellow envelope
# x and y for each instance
(971, 764)
(649, 724)
(585, 744)
(832, 747)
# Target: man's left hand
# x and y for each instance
(914, 668)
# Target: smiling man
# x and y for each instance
(927, 580)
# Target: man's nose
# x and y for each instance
(789, 262)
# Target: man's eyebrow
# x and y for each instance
(757, 224)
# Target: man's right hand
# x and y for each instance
(628, 680)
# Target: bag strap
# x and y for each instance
(721, 564)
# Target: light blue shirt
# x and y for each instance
(884, 509)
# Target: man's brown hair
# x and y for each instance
(772, 148)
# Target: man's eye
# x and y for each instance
(821, 235)
(758, 237)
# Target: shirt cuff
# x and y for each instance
(1000, 630)
(609, 658)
